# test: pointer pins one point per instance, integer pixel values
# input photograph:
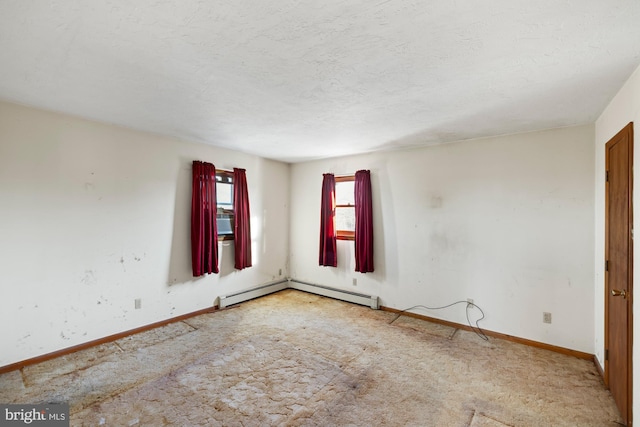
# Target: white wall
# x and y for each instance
(93, 216)
(507, 221)
(624, 108)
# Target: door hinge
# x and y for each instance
(607, 176)
(606, 265)
(606, 354)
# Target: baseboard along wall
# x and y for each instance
(228, 301)
(531, 343)
(107, 339)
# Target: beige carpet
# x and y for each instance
(298, 359)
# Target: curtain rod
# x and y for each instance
(340, 175)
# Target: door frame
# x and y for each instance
(628, 129)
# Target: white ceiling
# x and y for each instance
(299, 80)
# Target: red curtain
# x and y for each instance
(328, 252)
(204, 230)
(364, 222)
(242, 229)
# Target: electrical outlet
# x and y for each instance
(355, 282)
(138, 303)
(546, 317)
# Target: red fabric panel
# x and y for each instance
(328, 252)
(204, 230)
(242, 229)
(364, 222)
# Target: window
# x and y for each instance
(224, 195)
(345, 207)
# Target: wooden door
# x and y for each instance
(619, 269)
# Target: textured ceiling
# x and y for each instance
(298, 80)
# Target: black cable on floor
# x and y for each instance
(477, 329)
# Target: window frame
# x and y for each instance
(346, 234)
(221, 211)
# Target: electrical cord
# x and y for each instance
(477, 329)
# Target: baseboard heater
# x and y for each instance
(341, 294)
(252, 293)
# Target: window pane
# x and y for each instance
(346, 219)
(225, 225)
(344, 193)
(224, 194)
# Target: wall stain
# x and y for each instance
(435, 202)
(89, 278)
